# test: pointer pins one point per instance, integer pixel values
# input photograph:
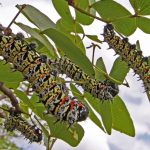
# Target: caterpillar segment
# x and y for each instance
(129, 54)
(25, 59)
(16, 122)
(103, 90)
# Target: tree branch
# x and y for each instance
(10, 94)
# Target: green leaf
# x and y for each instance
(6, 143)
(92, 115)
(117, 14)
(121, 120)
(106, 114)
(63, 10)
(40, 110)
(67, 29)
(64, 26)
(35, 33)
(76, 39)
(126, 26)
(85, 6)
(94, 38)
(110, 10)
(34, 99)
(144, 24)
(119, 70)
(141, 7)
(60, 130)
(11, 79)
(37, 17)
(71, 50)
(23, 97)
(76, 92)
(104, 109)
(100, 66)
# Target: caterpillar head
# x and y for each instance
(112, 88)
(83, 112)
(109, 29)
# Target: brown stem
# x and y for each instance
(10, 94)
(88, 14)
(93, 45)
(23, 6)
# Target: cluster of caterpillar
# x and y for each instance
(129, 54)
(16, 122)
(103, 90)
(24, 58)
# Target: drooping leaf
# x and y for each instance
(144, 24)
(71, 50)
(100, 69)
(114, 10)
(85, 6)
(121, 120)
(37, 17)
(63, 9)
(60, 130)
(23, 97)
(10, 78)
(64, 26)
(94, 38)
(104, 109)
(119, 70)
(118, 15)
(126, 26)
(141, 7)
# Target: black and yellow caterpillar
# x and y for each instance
(129, 54)
(104, 90)
(25, 59)
(16, 122)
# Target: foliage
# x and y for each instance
(68, 36)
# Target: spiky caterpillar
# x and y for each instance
(128, 52)
(16, 122)
(25, 59)
(104, 90)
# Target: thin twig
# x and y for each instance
(94, 47)
(23, 6)
(53, 142)
(88, 14)
(10, 94)
(48, 147)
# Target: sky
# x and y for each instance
(134, 97)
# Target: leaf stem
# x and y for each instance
(108, 77)
(88, 14)
(23, 6)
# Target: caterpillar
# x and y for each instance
(16, 122)
(104, 90)
(24, 57)
(129, 53)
